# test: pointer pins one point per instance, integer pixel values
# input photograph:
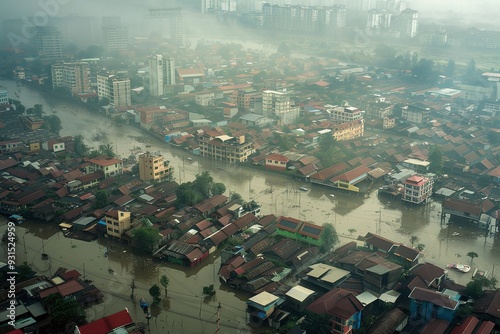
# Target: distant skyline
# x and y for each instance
(479, 13)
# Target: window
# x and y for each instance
(117, 231)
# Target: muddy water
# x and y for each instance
(184, 306)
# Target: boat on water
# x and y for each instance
(303, 188)
(16, 219)
(460, 267)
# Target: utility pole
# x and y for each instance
(132, 286)
(218, 319)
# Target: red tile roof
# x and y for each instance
(105, 161)
(107, 324)
(337, 302)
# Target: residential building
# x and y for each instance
(155, 65)
(298, 298)
(117, 222)
(115, 89)
(204, 98)
(341, 308)
(154, 167)
(418, 189)
(379, 19)
(54, 145)
(74, 76)
(276, 162)
(344, 113)
(109, 166)
(19, 73)
(191, 76)
(169, 71)
(165, 23)
(280, 106)
(245, 98)
(428, 304)
(226, 148)
(9, 146)
(349, 130)
(407, 23)
(115, 34)
(4, 97)
(261, 306)
(415, 113)
(117, 322)
(295, 229)
(48, 42)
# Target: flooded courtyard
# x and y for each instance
(185, 310)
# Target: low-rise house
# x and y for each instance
(183, 253)
(54, 145)
(487, 307)
(323, 277)
(117, 322)
(276, 162)
(109, 166)
(428, 304)
(117, 222)
(298, 298)
(418, 189)
(341, 308)
(392, 321)
(295, 229)
(260, 307)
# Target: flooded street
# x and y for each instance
(185, 310)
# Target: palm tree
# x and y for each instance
(472, 255)
(107, 150)
(414, 239)
(164, 281)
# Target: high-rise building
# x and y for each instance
(380, 19)
(165, 23)
(280, 106)
(115, 34)
(4, 96)
(154, 167)
(49, 43)
(169, 71)
(407, 23)
(115, 89)
(74, 76)
(155, 65)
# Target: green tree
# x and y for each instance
(236, 197)
(414, 239)
(203, 183)
(146, 238)
(53, 123)
(329, 237)
(20, 108)
(107, 149)
(316, 323)
(25, 271)
(38, 110)
(423, 71)
(450, 68)
(472, 256)
(218, 189)
(94, 153)
(164, 281)
(209, 290)
(351, 231)
(155, 292)
(187, 195)
(101, 199)
(436, 159)
(63, 311)
(493, 137)
(420, 247)
(79, 146)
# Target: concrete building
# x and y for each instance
(74, 76)
(48, 42)
(226, 148)
(280, 106)
(349, 130)
(344, 113)
(117, 222)
(418, 189)
(155, 65)
(168, 71)
(154, 167)
(165, 23)
(379, 19)
(115, 34)
(109, 166)
(115, 89)
(407, 23)
(4, 97)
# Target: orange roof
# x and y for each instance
(105, 161)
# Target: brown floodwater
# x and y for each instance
(185, 310)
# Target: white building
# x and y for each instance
(408, 23)
(169, 71)
(115, 89)
(380, 19)
(74, 76)
(279, 105)
(155, 64)
(344, 113)
(114, 33)
(109, 166)
(165, 23)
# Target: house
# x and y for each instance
(260, 307)
(300, 231)
(406, 256)
(487, 307)
(108, 165)
(117, 222)
(298, 298)
(114, 323)
(380, 244)
(276, 162)
(418, 189)
(389, 322)
(54, 145)
(431, 275)
(428, 304)
(323, 277)
(342, 309)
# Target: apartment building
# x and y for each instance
(279, 105)
(418, 189)
(109, 166)
(226, 148)
(154, 167)
(344, 113)
(117, 222)
(155, 65)
(349, 130)
(74, 76)
(115, 89)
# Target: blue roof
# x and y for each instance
(101, 222)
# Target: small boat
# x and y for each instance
(460, 267)
(303, 188)
(332, 195)
(189, 159)
(455, 234)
